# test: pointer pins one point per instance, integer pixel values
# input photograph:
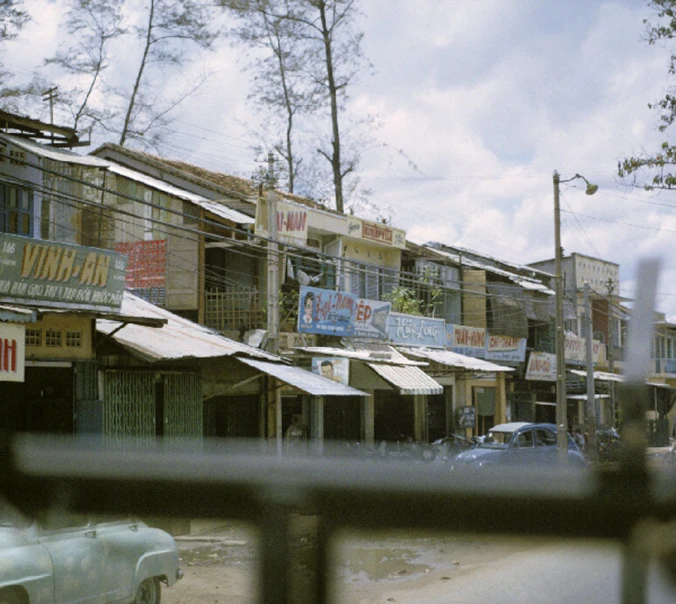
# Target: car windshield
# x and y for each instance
(497, 439)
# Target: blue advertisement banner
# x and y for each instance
(327, 312)
(412, 330)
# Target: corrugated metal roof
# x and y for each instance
(179, 338)
(453, 359)
(211, 206)
(15, 314)
(55, 154)
(409, 380)
(304, 380)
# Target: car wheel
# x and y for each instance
(9, 596)
(148, 592)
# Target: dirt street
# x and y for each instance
(220, 564)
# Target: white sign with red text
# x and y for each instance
(541, 367)
(12, 352)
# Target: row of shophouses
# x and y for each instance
(135, 302)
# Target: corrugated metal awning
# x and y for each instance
(453, 359)
(583, 397)
(409, 380)
(389, 355)
(302, 379)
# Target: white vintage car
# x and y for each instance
(76, 559)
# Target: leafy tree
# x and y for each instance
(656, 170)
(171, 28)
(91, 25)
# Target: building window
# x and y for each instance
(33, 337)
(16, 210)
(53, 338)
(74, 339)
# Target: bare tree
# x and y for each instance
(279, 83)
(170, 28)
(325, 42)
(91, 25)
(12, 18)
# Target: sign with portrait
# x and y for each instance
(332, 368)
(327, 312)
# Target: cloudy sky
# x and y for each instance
(487, 98)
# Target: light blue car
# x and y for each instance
(516, 444)
(75, 559)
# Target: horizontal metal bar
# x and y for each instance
(240, 482)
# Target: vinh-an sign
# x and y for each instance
(59, 274)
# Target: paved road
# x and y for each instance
(551, 574)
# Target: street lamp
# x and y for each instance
(561, 401)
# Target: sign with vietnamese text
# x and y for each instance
(376, 231)
(506, 348)
(576, 350)
(49, 273)
(470, 341)
(12, 352)
(541, 366)
(323, 311)
(291, 223)
(412, 330)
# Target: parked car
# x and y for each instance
(76, 559)
(518, 443)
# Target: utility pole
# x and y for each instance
(561, 400)
(274, 393)
(50, 96)
(591, 395)
(611, 345)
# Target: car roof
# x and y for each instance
(510, 427)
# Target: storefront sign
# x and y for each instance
(291, 223)
(576, 350)
(412, 330)
(466, 417)
(470, 341)
(333, 368)
(72, 276)
(371, 319)
(323, 311)
(375, 231)
(541, 366)
(506, 348)
(12, 352)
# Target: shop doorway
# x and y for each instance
(485, 403)
(48, 400)
(394, 420)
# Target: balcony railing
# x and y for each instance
(234, 308)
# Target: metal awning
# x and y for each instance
(386, 355)
(601, 376)
(409, 380)
(583, 397)
(304, 380)
(455, 360)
